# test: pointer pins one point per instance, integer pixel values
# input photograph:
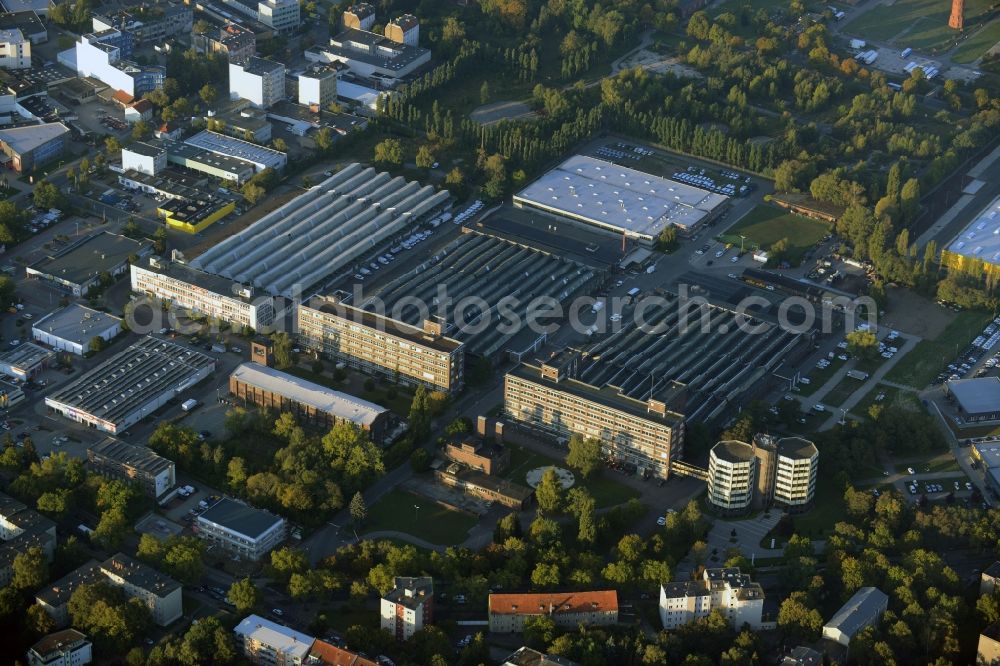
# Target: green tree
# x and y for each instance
(549, 493)
(324, 139)
(30, 569)
(419, 416)
(47, 195)
(424, 158)
(584, 455)
(286, 561)
(358, 508)
(252, 193)
(863, 344)
(545, 576)
(38, 620)
(105, 613)
(484, 93)
(389, 152)
(208, 94)
(244, 595)
(97, 344)
(282, 348)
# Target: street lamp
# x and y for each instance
(416, 512)
(742, 239)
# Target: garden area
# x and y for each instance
(396, 512)
(605, 490)
(764, 226)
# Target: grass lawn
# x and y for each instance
(828, 509)
(937, 464)
(818, 377)
(921, 24)
(602, 485)
(432, 522)
(891, 396)
(765, 225)
(977, 44)
(919, 367)
(841, 392)
(343, 619)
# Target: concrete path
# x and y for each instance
(869, 384)
(720, 539)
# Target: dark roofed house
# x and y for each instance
(525, 656)
(977, 399)
(79, 267)
(247, 532)
(68, 647)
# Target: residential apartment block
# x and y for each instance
(158, 592)
(280, 15)
(240, 529)
(727, 590)
(232, 40)
(22, 528)
(379, 345)
(103, 55)
(267, 643)
(318, 86)
(61, 648)
(203, 293)
(408, 606)
(547, 397)
(114, 459)
(257, 80)
(153, 23)
(508, 612)
(731, 470)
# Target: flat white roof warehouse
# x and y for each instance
(619, 199)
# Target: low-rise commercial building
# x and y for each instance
(130, 385)
(408, 607)
(228, 146)
(68, 647)
(29, 146)
(988, 649)
(977, 400)
(204, 293)
(72, 328)
(379, 345)
(114, 459)
(158, 592)
(28, 22)
(311, 403)
(508, 612)
(864, 609)
(195, 215)
(15, 49)
(25, 361)
(144, 157)
(802, 656)
(10, 394)
(248, 124)
(487, 457)
(483, 486)
(267, 643)
(550, 399)
(241, 530)
(223, 167)
(82, 266)
(727, 590)
(257, 80)
(370, 55)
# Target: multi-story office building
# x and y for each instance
(257, 80)
(508, 612)
(114, 459)
(158, 592)
(731, 471)
(15, 49)
(267, 643)
(144, 157)
(203, 293)
(314, 404)
(771, 470)
(241, 530)
(408, 606)
(726, 590)
(62, 648)
(318, 86)
(380, 345)
(280, 15)
(549, 398)
(234, 41)
(103, 55)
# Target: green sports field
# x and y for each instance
(920, 24)
(765, 225)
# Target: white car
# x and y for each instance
(661, 521)
(720, 253)
(616, 317)
(909, 470)
(735, 258)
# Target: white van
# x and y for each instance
(634, 291)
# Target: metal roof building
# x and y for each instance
(281, 644)
(977, 399)
(81, 265)
(863, 609)
(241, 529)
(978, 242)
(25, 360)
(619, 199)
(321, 231)
(227, 146)
(74, 326)
(131, 385)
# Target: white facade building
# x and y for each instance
(404, 30)
(242, 530)
(268, 643)
(15, 50)
(258, 80)
(144, 158)
(796, 472)
(160, 593)
(63, 648)
(204, 293)
(318, 85)
(728, 590)
(864, 609)
(408, 607)
(98, 55)
(731, 470)
(280, 15)
(73, 327)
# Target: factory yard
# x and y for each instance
(765, 225)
